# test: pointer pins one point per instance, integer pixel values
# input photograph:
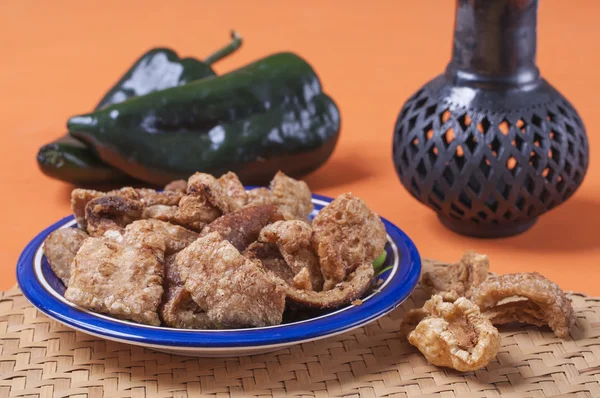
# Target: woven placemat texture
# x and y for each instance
(41, 358)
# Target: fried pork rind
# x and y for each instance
(79, 199)
(111, 213)
(457, 280)
(242, 227)
(293, 238)
(178, 310)
(346, 234)
(234, 190)
(207, 198)
(60, 248)
(455, 335)
(259, 196)
(146, 197)
(175, 238)
(293, 197)
(177, 186)
(113, 276)
(271, 258)
(526, 298)
(150, 197)
(354, 287)
(233, 291)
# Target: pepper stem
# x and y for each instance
(221, 53)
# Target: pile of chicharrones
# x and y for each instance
(208, 254)
(455, 328)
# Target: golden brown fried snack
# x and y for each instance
(206, 200)
(545, 303)
(115, 277)
(293, 238)
(355, 285)
(216, 192)
(454, 335)
(177, 186)
(111, 213)
(234, 190)
(146, 197)
(150, 197)
(243, 226)
(175, 238)
(352, 288)
(178, 310)
(233, 290)
(293, 197)
(457, 280)
(60, 248)
(346, 234)
(259, 196)
(271, 258)
(79, 199)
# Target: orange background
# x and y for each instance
(59, 57)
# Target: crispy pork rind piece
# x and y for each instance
(206, 199)
(526, 298)
(457, 280)
(60, 248)
(293, 239)
(455, 335)
(113, 276)
(346, 234)
(147, 197)
(235, 191)
(178, 310)
(233, 291)
(293, 197)
(354, 287)
(111, 213)
(150, 197)
(177, 186)
(79, 199)
(242, 227)
(175, 238)
(259, 196)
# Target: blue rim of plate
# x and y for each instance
(398, 285)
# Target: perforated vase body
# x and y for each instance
(490, 145)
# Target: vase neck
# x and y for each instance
(494, 43)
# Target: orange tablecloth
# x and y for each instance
(59, 57)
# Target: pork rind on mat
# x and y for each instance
(346, 234)
(60, 248)
(293, 239)
(114, 276)
(178, 310)
(454, 335)
(457, 280)
(233, 291)
(527, 298)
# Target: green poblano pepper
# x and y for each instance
(69, 159)
(267, 116)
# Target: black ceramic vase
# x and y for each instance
(489, 144)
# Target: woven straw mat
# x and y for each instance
(41, 358)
